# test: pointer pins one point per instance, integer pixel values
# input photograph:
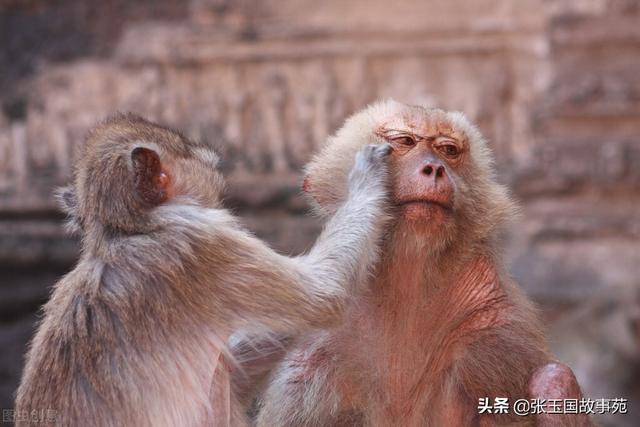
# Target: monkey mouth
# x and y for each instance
(426, 203)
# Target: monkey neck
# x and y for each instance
(414, 281)
(413, 264)
(95, 239)
(416, 296)
(98, 239)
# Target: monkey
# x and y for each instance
(166, 273)
(441, 324)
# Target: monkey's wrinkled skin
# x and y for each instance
(133, 335)
(440, 323)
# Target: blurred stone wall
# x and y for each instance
(553, 84)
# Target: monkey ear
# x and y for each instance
(315, 199)
(67, 200)
(306, 184)
(151, 182)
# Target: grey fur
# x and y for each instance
(133, 335)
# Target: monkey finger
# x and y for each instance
(384, 149)
(369, 150)
(365, 155)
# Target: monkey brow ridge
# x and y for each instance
(386, 133)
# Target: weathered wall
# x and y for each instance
(554, 85)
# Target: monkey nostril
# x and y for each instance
(440, 172)
(428, 170)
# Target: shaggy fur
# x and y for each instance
(440, 324)
(134, 334)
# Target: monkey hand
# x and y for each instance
(369, 173)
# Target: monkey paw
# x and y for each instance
(369, 172)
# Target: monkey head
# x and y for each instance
(443, 184)
(128, 166)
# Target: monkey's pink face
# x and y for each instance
(441, 182)
(426, 158)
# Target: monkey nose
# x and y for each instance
(433, 169)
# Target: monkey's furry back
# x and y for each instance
(112, 325)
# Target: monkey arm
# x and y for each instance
(349, 244)
(254, 284)
(342, 254)
(311, 288)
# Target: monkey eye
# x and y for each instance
(405, 140)
(450, 150)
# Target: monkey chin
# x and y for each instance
(430, 222)
(425, 213)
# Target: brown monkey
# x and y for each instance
(441, 324)
(132, 335)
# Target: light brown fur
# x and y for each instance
(440, 324)
(135, 334)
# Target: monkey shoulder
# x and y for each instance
(183, 234)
